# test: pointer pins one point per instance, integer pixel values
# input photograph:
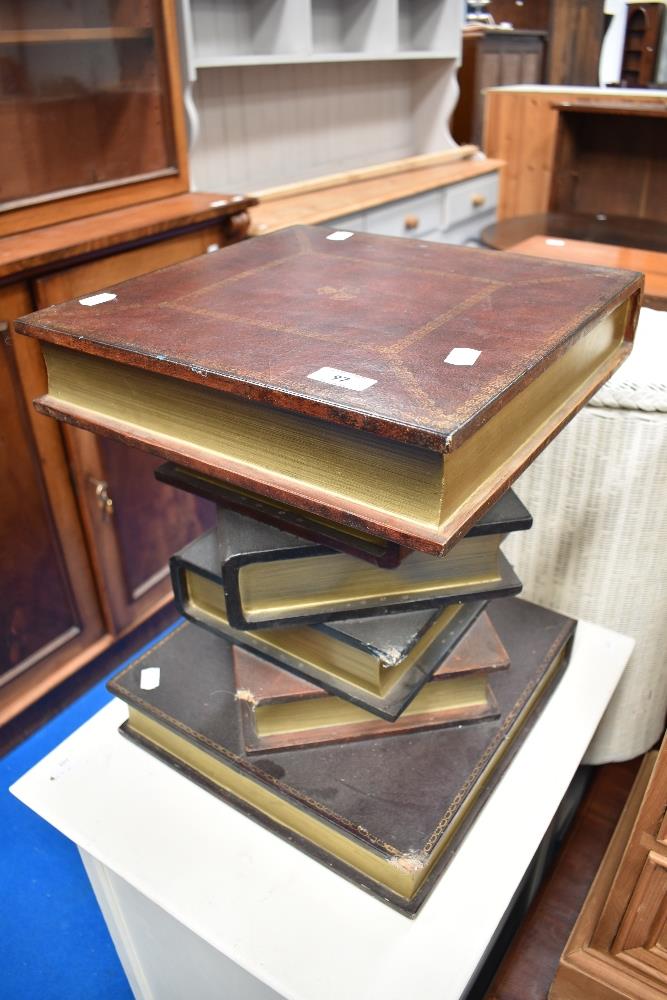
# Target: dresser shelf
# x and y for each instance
(280, 92)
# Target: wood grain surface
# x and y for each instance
(520, 128)
(46, 246)
(357, 191)
(530, 964)
(653, 263)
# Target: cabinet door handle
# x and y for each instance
(411, 221)
(478, 200)
(104, 501)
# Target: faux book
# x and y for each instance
(280, 711)
(272, 577)
(386, 813)
(378, 663)
(396, 386)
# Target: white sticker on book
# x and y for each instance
(346, 380)
(340, 234)
(96, 300)
(462, 356)
(149, 679)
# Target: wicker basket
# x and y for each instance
(598, 547)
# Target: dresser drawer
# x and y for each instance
(353, 223)
(465, 201)
(407, 217)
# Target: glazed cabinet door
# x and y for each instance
(90, 94)
(49, 613)
(133, 523)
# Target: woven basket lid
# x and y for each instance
(641, 381)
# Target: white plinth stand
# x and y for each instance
(203, 903)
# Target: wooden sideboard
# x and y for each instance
(85, 530)
(448, 197)
(521, 127)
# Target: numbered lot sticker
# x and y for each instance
(346, 380)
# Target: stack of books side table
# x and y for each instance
(356, 677)
(202, 902)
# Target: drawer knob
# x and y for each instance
(478, 200)
(411, 221)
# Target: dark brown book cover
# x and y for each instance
(322, 371)
(315, 529)
(248, 546)
(387, 814)
(423, 635)
(260, 683)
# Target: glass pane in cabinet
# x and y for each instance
(83, 97)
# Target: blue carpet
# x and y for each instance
(55, 944)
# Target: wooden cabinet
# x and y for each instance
(576, 30)
(86, 529)
(609, 159)
(49, 612)
(88, 93)
(573, 29)
(132, 523)
(521, 126)
(643, 39)
(493, 57)
(617, 948)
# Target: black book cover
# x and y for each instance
(356, 589)
(353, 588)
(390, 639)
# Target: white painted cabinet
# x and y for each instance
(284, 90)
(456, 213)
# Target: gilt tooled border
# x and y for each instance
(246, 765)
(444, 821)
(570, 328)
(509, 720)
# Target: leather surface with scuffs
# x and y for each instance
(397, 795)
(258, 319)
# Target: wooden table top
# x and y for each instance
(652, 262)
(608, 241)
(67, 241)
